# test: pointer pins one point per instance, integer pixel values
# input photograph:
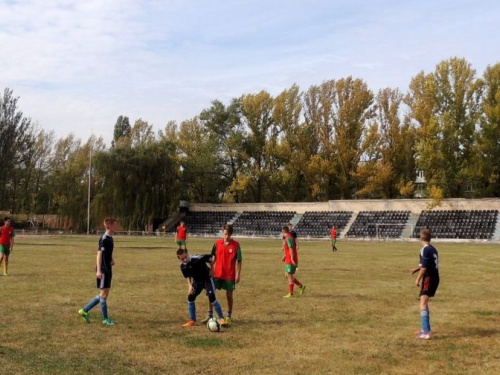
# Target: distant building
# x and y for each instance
(420, 185)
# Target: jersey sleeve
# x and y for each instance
(207, 258)
(289, 242)
(13, 233)
(238, 254)
(426, 258)
(214, 250)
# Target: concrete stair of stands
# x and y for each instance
(348, 225)
(410, 225)
(235, 217)
(171, 220)
(296, 219)
(496, 233)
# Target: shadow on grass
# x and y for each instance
(468, 332)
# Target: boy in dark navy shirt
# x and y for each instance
(428, 276)
(104, 273)
(195, 269)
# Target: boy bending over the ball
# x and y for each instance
(195, 269)
(104, 273)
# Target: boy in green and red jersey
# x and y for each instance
(291, 260)
(226, 268)
(181, 236)
(333, 238)
(6, 243)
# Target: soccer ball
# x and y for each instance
(213, 325)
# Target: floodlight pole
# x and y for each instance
(88, 195)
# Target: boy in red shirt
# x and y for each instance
(291, 260)
(181, 236)
(226, 268)
(333, 238)
(6, 243)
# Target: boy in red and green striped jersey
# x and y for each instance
(291, 260)
(7, 235)
(226, 268)
(181, 236)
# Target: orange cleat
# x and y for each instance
(190, 323)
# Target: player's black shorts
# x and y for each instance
(429, 285)
(105, 281)
(207, 284)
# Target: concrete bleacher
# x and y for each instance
(406, 227)
(379, 224)
(319, 223)
(459, 224)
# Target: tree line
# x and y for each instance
(335, 140)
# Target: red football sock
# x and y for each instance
(297, 282)
(290, 288)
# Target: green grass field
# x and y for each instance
(358, 316)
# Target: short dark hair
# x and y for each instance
(181, 251)
(285, 228)
(425, 235)
(6, 218)
(229, 228)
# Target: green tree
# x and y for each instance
(489, 145)
(122, 129)
(137, 184)
(389, 170)
(15, 142)
(339, 111)
(225, 130)
(257, 117)
(446, 105)
(202, 175)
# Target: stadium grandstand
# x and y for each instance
(478, 224)
(453, 219)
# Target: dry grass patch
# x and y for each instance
(357, 317)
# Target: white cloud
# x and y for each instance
(79, 65)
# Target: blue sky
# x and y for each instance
(78, 65)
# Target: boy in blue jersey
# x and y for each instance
(427, 280)
(195, 269)
(104, 273)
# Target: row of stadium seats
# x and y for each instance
(319, 223)
(385, 224)
(471, 224)
(259, 223)
(478, 224)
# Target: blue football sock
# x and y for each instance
(104, 308)
(218, 309)
(93, 302)
(429, 319)
(424, 319)
(192, 310)
(229, 313)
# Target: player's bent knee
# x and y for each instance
(191, 297)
